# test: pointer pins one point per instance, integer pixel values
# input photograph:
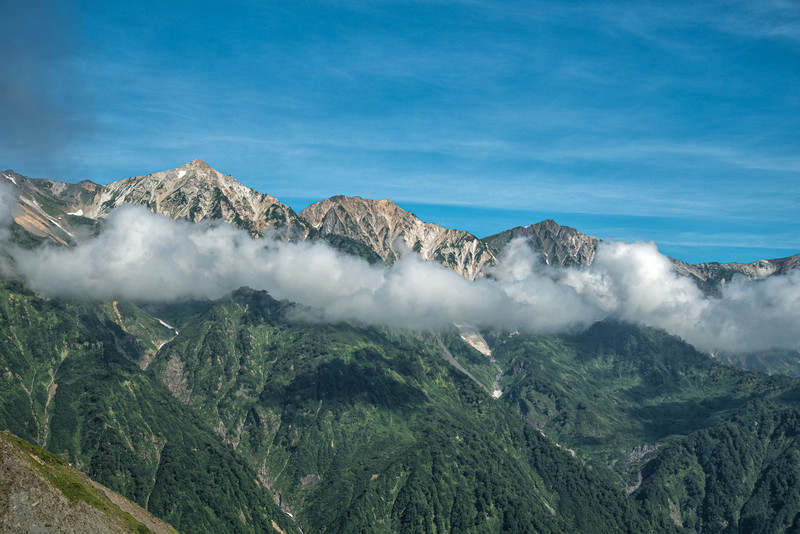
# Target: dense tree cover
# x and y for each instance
(68, 386)
(357, 429)
(704, 446)
(617, 386)
(739, 476)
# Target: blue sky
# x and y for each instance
(677, 123)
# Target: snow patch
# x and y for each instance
(79, 213)
(165, 324)
(181, 174)
(29, 202)
(13, 181)
(52, 220)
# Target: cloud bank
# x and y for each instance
(143, 256)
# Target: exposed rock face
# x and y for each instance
(40, 492)
(391, 231)
(197, 192)
(43, 206)
(194, 192)
(710, 275)
(560, 246)
(63, 213)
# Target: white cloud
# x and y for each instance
(143, 256)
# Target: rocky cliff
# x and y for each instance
(194, 192)
(197, 192)
(65, 213)
(392, 231)
(42, 209)
(710, 275)
(40, 492)
(560, 246)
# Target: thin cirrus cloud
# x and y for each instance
(772, 19)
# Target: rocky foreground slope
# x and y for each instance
(40, 492)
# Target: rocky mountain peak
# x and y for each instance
(709, 276)
(66, 213)
(559, 246)
(197, 175)
(324, 215)
(197, 164)
(195, 192)
(382, 225)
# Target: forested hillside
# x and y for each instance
(706, 445)
(68, 386)
(357, 428)
(237, 416)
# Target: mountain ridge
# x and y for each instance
(379, 224)
(63, 213)
(560, 246)
(242, 415)
(195, 192)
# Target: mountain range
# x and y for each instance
(375, 229)
(245, 413)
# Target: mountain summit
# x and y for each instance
(388, 229)
(195, 192)
(560, 246)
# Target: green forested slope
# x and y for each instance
(739, 476)
(67, 386)
(361, 430)
(355, 429)
(702, 445)
(616, 386)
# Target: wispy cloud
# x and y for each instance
(770, 19)
(699, 151)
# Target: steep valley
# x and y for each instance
(346, 427)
